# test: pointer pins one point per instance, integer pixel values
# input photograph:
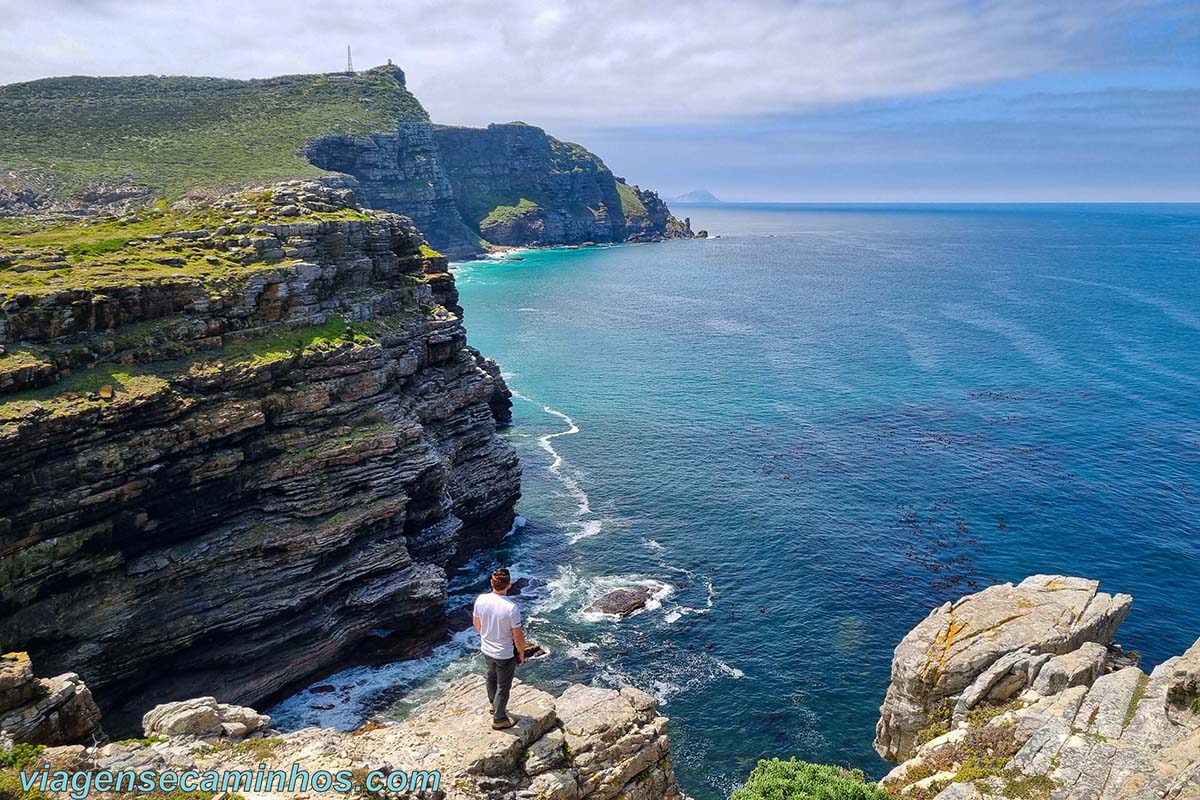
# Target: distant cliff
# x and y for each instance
(505, 184)
(79, 145)
(515, 185)
(236, 438)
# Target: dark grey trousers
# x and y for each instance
(499, 683)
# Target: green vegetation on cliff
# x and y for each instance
(181, 133)
(97, 386)
(502, 214)
(631, 205)
(108, 252)
(799, 780)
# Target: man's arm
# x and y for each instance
(519, 642)
(478, 625)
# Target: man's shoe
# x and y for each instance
(491, 709)
(507, 722)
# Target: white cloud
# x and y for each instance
(579, 63)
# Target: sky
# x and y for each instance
(785, 100)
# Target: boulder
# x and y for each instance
(622, 602)
(1002, 636)
(534, 650)
(59, 710)
(203, 717)
(1079, 668)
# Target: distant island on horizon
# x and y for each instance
(696, 196)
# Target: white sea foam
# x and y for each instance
(357, 691)
(574, 594)
(653, 545)
(582, 528)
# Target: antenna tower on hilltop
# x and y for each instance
(349, 60)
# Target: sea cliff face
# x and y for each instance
(508, 185)
(235, 439)
(516, 185)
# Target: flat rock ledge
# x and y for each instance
(1017, 691)
(587, 744)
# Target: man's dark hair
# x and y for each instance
(501, 579)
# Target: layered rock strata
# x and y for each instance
(235, 439)
(1018, 692)
(54, 711)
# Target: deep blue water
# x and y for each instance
(810, 431)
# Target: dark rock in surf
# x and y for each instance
(622, 602)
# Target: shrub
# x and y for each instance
(20, 756)
(799, 780)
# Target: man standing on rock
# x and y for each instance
(498, 621)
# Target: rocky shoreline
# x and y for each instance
(1016, 691)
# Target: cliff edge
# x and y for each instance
(588, 743)
(235, 437)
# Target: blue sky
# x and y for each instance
(811, 100)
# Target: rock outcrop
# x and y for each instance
(1040, 706)
(622, 602)
(203, 717)
(587, 744)
(988, 647)
(51, 711)
(235, 438)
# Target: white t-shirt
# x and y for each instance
(497, 617)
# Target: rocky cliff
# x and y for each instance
(234, 438)
(79, 145)
(515, 185)
(1018, 691)
(506, 185)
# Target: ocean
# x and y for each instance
(809, 431)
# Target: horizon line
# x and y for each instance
(935, 202)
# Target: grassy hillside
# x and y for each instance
(179, 133)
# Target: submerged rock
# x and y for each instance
(622, 602)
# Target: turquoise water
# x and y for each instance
(810, 431)
(829, 420)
